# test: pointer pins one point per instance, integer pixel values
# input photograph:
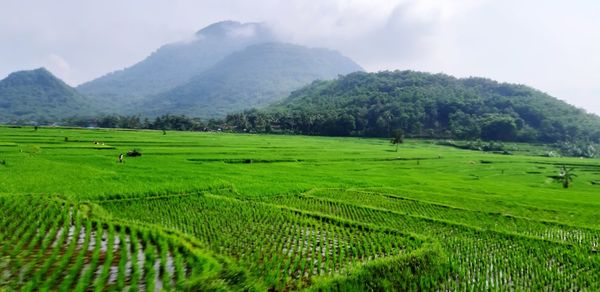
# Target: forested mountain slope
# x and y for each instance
(253, 77)
(37, 95)
(430, 105)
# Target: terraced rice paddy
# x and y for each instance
(205, 211)
(61, 248)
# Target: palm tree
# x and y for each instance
(397, 138)
(565, 176)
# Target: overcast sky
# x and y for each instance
(548, 44)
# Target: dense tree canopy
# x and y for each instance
(165, 122)
(423, 105)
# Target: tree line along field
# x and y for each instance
(217, 211)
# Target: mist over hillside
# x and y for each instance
(175, 64)
(226, 66)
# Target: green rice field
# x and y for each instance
(229, 212)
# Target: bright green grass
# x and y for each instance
(294, 212)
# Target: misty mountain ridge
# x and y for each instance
(176, 63)
(226, 67)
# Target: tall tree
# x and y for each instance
(397, 138)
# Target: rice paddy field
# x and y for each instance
(230, 212)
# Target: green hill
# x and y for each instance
(427, 105)
(37, 95)
(253, 77)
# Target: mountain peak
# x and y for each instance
(38, 71)
(42, 70)
(34, 95)
(235, 29)
(36, 76)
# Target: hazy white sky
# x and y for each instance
(548, 44)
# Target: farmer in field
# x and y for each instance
(121, 158)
